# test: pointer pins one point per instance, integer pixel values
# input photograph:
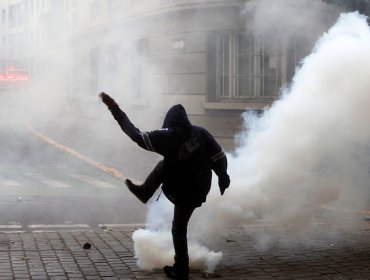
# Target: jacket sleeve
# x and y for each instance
(143, 139)
(218, 163)
(220, 168)
(126, 125)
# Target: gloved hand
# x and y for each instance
(223, 183)
(107, 100)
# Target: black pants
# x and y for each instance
(180, 221)
(154, 179)
(181, 217)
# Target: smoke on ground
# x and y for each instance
(309, 150)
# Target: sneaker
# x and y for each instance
(137, 190)
(170, 273)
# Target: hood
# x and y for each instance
(176, 117)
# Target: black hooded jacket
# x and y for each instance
(190, 154)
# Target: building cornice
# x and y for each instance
(138, 14)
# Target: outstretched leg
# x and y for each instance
(150, 185)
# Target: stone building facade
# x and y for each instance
(151, 54)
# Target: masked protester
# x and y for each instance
(190, 153)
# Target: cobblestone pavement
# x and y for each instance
(259, 252)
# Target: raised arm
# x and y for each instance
(155, 141)
(122, 119)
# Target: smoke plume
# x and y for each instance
(309, 150)
(289, 18)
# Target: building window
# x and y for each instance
(114, 71)
(94, 55)
(139, 72)
(74, 4)
(3, 16)
(30, 7)
(114, 6)
(244, 67)
(12, 16)
(95, 9)
(166, 2)
(16, 15)
(2, 46)
(74, 19)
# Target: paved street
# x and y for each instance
(341, 252)
(59, 194)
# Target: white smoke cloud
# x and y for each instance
(289, 17)
(153, 249)
(310, 149)
(153, 245)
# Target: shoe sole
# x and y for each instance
(130, 189)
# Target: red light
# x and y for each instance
(14, 75)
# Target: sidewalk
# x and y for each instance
(333, 253)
